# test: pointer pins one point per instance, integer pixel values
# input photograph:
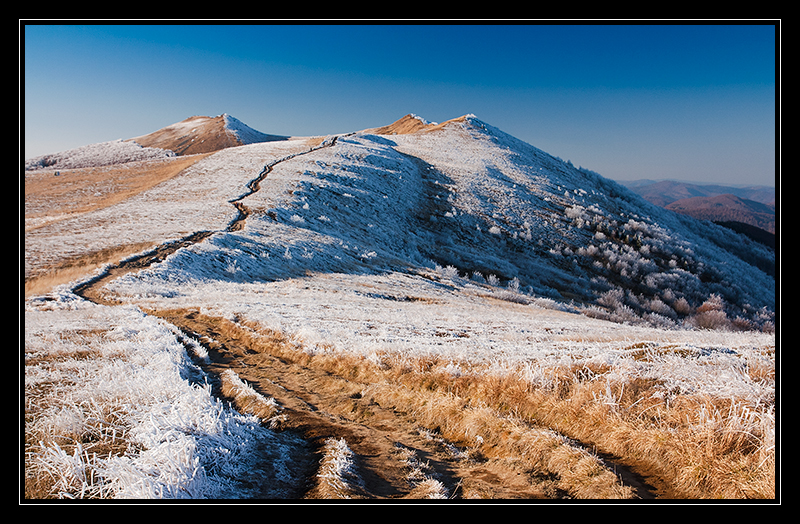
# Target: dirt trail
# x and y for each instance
(89, 290)
(319, 405)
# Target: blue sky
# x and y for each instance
(682, 101)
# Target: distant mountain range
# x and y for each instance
(736, 207)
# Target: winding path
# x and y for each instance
(320, 404)
(89, 290)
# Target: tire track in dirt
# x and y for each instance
(319, 405)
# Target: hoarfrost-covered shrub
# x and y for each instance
(612, 299)
(711, 314)
(658, 307)
(682, 307)
(448, 272)
(659, 321)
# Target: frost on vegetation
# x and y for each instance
(420, 475)
(338, 473)
(146, 400)
(95, 155)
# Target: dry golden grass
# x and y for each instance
(700, 447)
(90, 189)
(44, 280)
(695, 444)
(246, 399)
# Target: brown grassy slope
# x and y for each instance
(408, 125)
(49, 199)
(196, 134)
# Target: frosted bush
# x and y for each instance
(448, 272)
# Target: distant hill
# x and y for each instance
(194, 135)
(727, 208)
(665, 192)
(748, 210)
(203, 134)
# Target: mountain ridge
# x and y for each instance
(467, 196)
(727, 208)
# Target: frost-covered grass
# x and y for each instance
(338, 473)
(115, 408)
(92, 155)
(463, 246)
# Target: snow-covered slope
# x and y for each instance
(245, 134)
(468, 197)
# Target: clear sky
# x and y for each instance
(681, 101)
